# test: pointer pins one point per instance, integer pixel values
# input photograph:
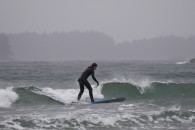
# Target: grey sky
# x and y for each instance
(121, 19)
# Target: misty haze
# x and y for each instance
(97, 30)
(92, 45)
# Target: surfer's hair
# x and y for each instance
(94, 65)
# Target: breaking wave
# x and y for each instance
(145, 90)
(156, 90)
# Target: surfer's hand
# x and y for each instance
(97, 84)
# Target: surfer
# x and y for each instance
(83, 81)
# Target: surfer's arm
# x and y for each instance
(93, 77)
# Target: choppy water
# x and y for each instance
(42, 95)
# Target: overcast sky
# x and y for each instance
(121, 19)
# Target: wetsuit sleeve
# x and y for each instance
(93, 76)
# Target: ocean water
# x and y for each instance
(42, 95)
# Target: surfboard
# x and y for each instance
(118, 99)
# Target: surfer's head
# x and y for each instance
(94, 66)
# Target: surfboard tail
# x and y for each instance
(118, 99)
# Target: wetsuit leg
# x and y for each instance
(87, 84)
(81, 90)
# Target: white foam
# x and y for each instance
(70, 95)
(126, 107)
(142, 82)
(12, 125)
(182, 120)
(7, 97)
(92, 120)
(89, 119)
(183, 62)
(176, 107)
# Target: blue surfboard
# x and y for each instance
(118, 99)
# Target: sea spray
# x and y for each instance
(7, 97)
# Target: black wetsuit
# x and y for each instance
(83, 82)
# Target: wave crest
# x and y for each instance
(156, 90)
(49, 96)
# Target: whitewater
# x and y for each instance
(42, 95)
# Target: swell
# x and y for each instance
(33, 96)
(156, 90)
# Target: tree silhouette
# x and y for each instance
(5, 48)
